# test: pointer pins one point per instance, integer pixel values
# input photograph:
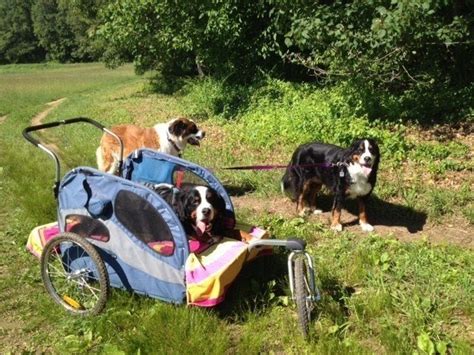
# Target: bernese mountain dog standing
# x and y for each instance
(346, 172)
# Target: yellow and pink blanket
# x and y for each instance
(209, 269)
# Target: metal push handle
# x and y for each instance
(26, 133)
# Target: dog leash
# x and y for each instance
(271, 167)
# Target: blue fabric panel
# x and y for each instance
(122, 275)
(152, 170)
(73, 195)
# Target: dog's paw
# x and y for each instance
(337, 227)
(317, 211)
(305, 212)
(367, 227)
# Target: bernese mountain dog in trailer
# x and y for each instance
(170, 138)
(199, 208)
(346, 172)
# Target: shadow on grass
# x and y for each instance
(338, 293)
(381, 213)
(389, 214)
(239, 190)
(257, 287)
(262, 283)
(166, 84)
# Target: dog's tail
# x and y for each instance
(287, 184)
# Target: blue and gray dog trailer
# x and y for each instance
(116, 231)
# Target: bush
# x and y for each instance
(294, 114)
(399, 52)
(274, 113)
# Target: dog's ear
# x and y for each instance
(376, 152)
(179, 205)
(356, 146)
(218, 223)
(220, 203)
(177, 127)
(354, 151)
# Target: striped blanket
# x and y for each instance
(210, 272)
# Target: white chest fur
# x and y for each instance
(165, 146)
(359, 182)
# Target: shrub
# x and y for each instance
(282, 113)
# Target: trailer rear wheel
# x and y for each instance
(303, 304)
(74, 274)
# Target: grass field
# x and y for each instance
(407, 288)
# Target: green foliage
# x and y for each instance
(210, 97)
(217, 37)
(18, 43)
(417, 51)
(57, 30)
(438, 151)
(62, 29)
(386, 42)
(52, 30)
(277, 113)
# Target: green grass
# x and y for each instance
(379, 295)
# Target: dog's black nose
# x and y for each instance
(206, 211)
(367, 159)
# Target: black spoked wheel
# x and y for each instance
(303, 303)
(74, 274)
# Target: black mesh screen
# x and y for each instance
(183, 177)
(144, 222)
(87, 227)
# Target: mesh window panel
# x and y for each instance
(144, 222)
(87, 227)
(184, 177)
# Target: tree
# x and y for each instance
(216, 37)
(53, 32)
(18, 43)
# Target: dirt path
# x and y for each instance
(2, 119)
(39, 118)
(389, 220)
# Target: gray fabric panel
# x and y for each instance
(134, 253)
(138, 254)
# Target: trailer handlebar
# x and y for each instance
(26, 133)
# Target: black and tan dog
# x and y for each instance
(199, 208)
(346, 172)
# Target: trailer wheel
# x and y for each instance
(74, 274)
(303, 304)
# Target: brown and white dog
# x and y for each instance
(170, 138)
